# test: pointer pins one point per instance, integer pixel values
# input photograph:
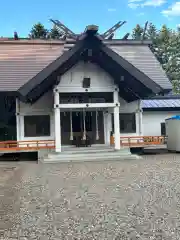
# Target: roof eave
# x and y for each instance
(127, 42)
(134, 71)
(35, 87)
(161, 109)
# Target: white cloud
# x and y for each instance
(133, 1)
(154, 3)
(144, 3)
(133, 5)
(173, 10)
(111, 9)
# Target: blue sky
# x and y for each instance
(20, 15)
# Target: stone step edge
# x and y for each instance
(80, 155)
(94, 156)
(83, 149)
(88, 152)
(113, 158)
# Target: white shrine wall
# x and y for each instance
(71, 81)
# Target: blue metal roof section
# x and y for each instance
(177, 117)
(161, 103)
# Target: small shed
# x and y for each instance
(173, 133)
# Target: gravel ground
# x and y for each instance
(136, 199)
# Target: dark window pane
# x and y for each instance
(127, 122)
(112, 120)
(86, 82)
(86, 97)
(88, 120)
(37, 126)
(163, 129)
(77, 121)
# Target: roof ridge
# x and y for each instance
(31, 41)
(60, 41)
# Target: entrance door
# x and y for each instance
(78, 126)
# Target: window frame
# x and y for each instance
(163, 128)
(120, 123)
(133, 115)
(37, 135)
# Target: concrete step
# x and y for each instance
(92, 159)
(85, 150)
(82, 156)
(97, 146)
(88, 153)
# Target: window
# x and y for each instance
(127, 122)
(86, 82)
(163, 129)
(37, 126)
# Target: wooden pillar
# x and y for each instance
(18, 125)
(108, 127)
(140, 118)
(57, 121)
(116, 120)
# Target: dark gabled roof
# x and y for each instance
(135, 72)
(50, 71)
(139, 54)
(21, 60)
(136, 84)
(143, 59)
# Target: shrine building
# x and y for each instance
(81, 87)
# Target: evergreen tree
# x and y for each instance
(165, 34)
(166, 47)
(137, 32)
(151, 32)
(38, 31)
(165, 40)
(172, 65)
(55, 33)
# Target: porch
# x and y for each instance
(86, 120)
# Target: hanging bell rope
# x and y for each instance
(84, 125)
(97, 128)
(71, 133)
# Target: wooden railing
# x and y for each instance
(26, 145)
(140, 141)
